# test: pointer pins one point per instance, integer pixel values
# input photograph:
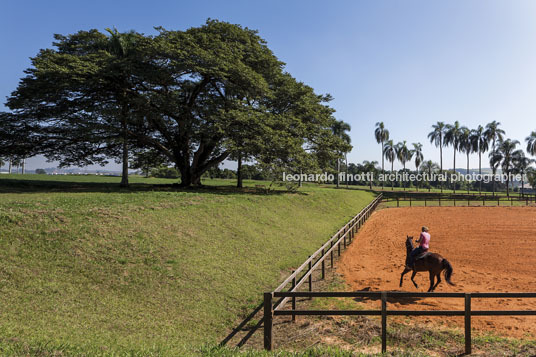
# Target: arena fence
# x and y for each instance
(460, 200)
(271, 309)
(317, 261)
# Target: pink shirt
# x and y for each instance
(425, 240)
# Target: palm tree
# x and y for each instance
(505, 153)
(436, 136)
(452, 137)
(389, 152)
(418, 157)
(531, 143)
(429, 167)
(382, 135)
(466, 146)
(2, 162)
(521, 164)
(480, 141)
(340, 129)
(493, 133)
(122, 45)
(403, 154)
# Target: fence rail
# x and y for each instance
(270, 312)
(304, 272)
(461, 200)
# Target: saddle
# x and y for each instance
(422, 255)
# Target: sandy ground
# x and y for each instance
(492, 249)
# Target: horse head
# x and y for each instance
(409, 243)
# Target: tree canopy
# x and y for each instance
(193, 98)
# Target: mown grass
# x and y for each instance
(91, 269)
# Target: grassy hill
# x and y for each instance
(88, 268)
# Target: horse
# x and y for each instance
(431, 262)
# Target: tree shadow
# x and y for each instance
(404, 301)
(9, 185)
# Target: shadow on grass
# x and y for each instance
(43, 186)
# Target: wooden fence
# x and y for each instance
(271, 310)
(461, 200)
(303, 273)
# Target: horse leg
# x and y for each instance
(438, 276)
(432, 275)
(412, 276)
(402, 275)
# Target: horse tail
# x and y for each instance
(448, 271)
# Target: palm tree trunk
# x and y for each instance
(338, 170)
(346, 162)
(467, 174)
(441, 159)
(404, 164)
(392, 172)
(383, 171)
(479, 171)
(10, 166)
(454, 186)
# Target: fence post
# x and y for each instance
(294, 297)
(331, 253)
(439, 199)
(410, 201)
(398, 202)
(467, 324)
(268, 321)
(454, 201)
(425, 202)
(310, 277)
(323, 265)
(384, 321)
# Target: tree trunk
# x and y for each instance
(239, 172)
(467, 173)
(392, 172)
(479, 171)
(23, 166)
(417, 183)
(124, 173)
(338, 171)
(441, 159)
(493, 179)
(346, 162)
(10, 166)
(403, 184)
(383, 170)
(454, 168)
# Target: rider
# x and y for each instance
(424, 244)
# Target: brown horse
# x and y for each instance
(431, 262)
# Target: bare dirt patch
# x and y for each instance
(492, 249)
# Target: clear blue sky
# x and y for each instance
(406, 63)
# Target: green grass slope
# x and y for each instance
(91, 269)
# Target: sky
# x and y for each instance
(406, 63)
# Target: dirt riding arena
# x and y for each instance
(492, 249)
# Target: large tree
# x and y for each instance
(389, 152)
(382, 135)
(480, 143)
(505, 154)
(452, 137)
(195, 97)
(437, 136)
